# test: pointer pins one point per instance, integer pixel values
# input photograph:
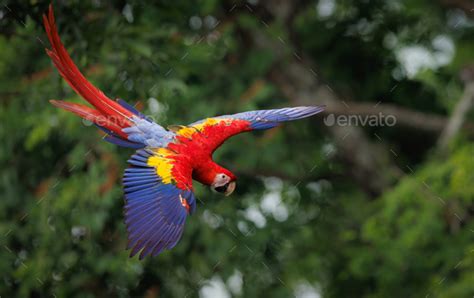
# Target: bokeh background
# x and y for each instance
(322, 208)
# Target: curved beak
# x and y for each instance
(230, 188)
(226, 189)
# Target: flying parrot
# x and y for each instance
(158, 185)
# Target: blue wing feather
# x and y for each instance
(154, 215)
(132, 109)
(265, 119)
(117, 140)
(149, 133)
(123, 143)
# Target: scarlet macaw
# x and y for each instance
(158, 184)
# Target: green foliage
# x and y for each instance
(422, 229)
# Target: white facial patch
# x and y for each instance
(221, 180)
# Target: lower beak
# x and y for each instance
(230, 188)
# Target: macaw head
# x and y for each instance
(224, 182)
(218, 178)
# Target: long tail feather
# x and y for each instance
(90, 114)
(69, 71)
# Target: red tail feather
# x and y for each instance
(90, 114)
(108, 111)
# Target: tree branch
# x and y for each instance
(457, 118)
(428, 122)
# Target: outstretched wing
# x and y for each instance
(217, 129)
(158, 198)
(124, 125)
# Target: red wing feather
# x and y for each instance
(218, 129)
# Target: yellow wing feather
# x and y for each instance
(162, 163)
(188, 131)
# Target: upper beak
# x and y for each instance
(230, 189)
